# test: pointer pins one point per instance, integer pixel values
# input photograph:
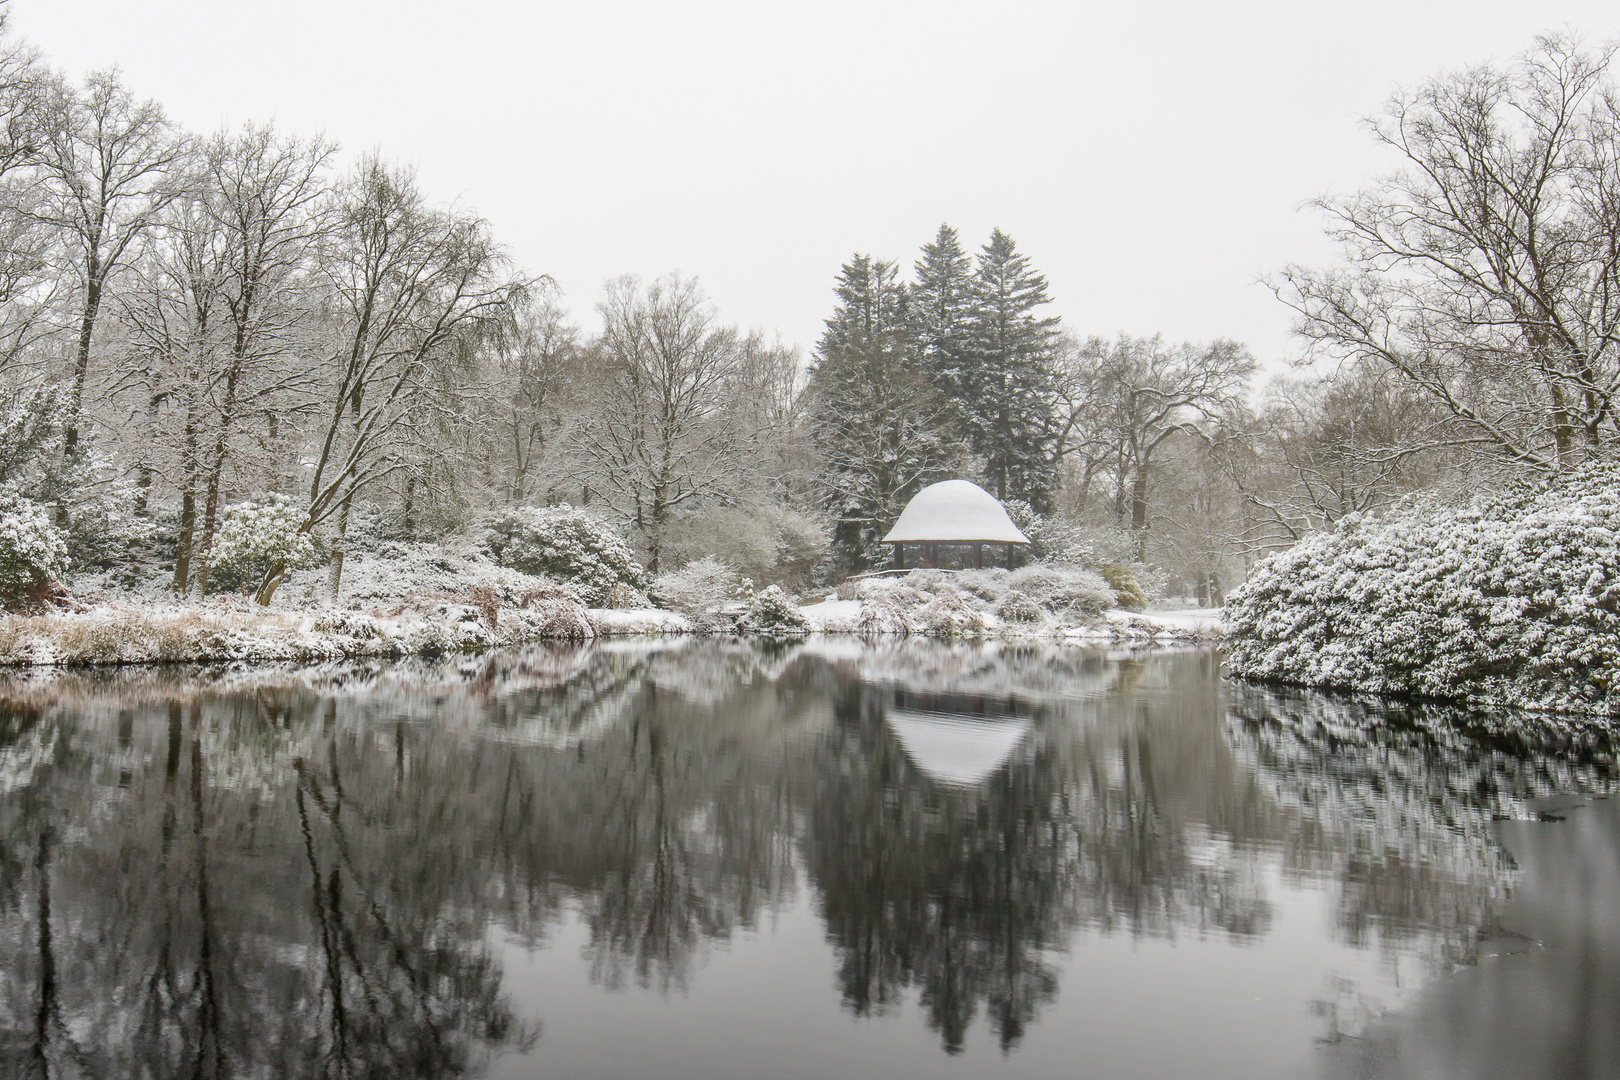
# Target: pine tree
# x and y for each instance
(879, 424)
(942, 305)
(1005, 392)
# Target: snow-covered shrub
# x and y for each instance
(772, 614)
(950, 614)
(1128, 592)
(555, 613)
(1017, 607)
(1063, 589)
(1515, 601)
(987, 585)
(105, 527)
(699, 589)
(1052, 539)
(254, 534)
(567, 544)
(33, 553)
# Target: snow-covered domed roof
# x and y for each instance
(955, 510)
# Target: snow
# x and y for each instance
(1191, 620)
(1031, 602)
(833, 616)
(1513, 602)
(644, 621)
(955, 511)
(956, 750)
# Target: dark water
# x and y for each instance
(715, 860)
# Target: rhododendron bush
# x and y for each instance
(567, 544)
(256, 533)
(1515, 601)
(33, 553)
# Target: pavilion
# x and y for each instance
(953, 512)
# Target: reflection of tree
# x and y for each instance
(300, 877)
(1393, 804)
(164, 927)
(959, 893)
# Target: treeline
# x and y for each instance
(1469, 333)
(188, 322)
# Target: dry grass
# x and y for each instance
(223, 635)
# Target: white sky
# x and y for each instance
(1151, 159)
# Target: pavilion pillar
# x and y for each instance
(899, 555)
(933, 555)
(1009, 556)
(978, 555)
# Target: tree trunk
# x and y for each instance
(182, 556)
(81, 357)
(407, 504)
(188, 507)
(1139, 514)
(270, 583)
(216, 471)
(337, 545)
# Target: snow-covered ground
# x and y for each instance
(611, 621)
(503, 608)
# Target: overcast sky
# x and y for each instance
(1151, 159)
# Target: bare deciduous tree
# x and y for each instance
(660, 436)
(410, 291)
(1120, 401)
(1486, 272)
(110, 165)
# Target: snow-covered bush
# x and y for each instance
(951, 614)
(1128, 592)
(33, 553)
(626, 597)
(1017, 607)
(699, 589)
(772, 614)
(105, 527)
(1515, 601)
(568, 544)
(1063, 589)
(255, 533)
(1051, 538)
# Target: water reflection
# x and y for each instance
(298, 872)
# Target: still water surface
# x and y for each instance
(706, 859)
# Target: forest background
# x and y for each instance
(196, 330)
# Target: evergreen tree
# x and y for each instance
(1005, 392)
(942, 305)
(878, 422)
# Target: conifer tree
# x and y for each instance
(942, 306)
(1005, 392)
(877, 419)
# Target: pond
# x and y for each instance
(699, 858)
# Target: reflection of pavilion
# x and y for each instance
(957, 739)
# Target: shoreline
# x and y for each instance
(112, 635)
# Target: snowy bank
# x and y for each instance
(1033, 602)
(1515, 601)
(223, 633)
